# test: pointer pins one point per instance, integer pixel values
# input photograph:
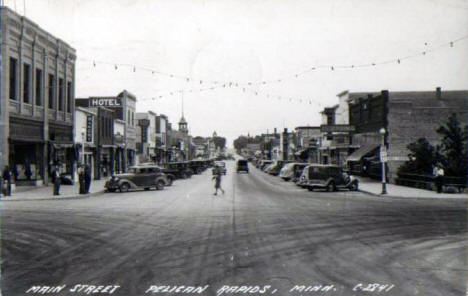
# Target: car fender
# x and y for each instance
(132, 185)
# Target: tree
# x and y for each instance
(240, 143)
(422, 158)
(220, 142)
(453, 146)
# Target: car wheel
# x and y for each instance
(355, 186)
(160, 185)
(331, 187)
(124, 187)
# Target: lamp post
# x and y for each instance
(383, 160)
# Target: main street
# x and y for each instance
(262, 231)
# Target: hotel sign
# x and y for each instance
(337, 128)
(105, 102)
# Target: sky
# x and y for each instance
(242, 41)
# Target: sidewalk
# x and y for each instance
(46, 192)
(374, 187)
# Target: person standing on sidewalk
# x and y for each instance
(81, 179)
(439, 173)
(87, 178)
(217, 178)
(56, 179)
(6, 177)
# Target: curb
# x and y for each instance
(76, 196)
(411, 197)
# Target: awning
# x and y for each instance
(59, 146)
(361, 152)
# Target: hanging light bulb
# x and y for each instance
(398, 61)
(94, 63)
(451, 44)
(201, 81)
(332, 68)
(134, 69)
(115, 67)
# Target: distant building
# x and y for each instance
(37, 101)
(308, 139)
(162, 140)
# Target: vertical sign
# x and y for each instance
(89, 128)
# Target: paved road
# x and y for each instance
(263, 231)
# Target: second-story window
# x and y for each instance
(61, 100)
(69, 97)
(13, 80)
(26, 83)
(38, 87)
(51, 91)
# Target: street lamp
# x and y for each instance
(383, 160)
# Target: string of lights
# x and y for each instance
(332, 67)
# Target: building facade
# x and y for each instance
(405, 117)
(37, 101)
(86, 134)
(123, 108)
(146, 136)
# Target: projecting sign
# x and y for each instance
(89, 128)
(105, 102)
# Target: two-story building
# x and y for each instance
(335, 144)
(308, 139)
(37, 100)
(146, 136)
(404, 117)
(122, 107)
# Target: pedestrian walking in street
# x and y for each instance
(6, 177)
(56, 179)
(87, 178)
(81, 179)
(217, 178)
(438, 173)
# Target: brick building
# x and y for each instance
(406, 117)
(37, 100)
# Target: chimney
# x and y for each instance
(438, 93)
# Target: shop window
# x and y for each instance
(26, 83)
(60, 95)
(51, 91)
(13, 80)
(38, 87)
(69, 97)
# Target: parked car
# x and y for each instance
(292, 171)
(242, 166)
(180, 169)
(138, 177)
(264, 164)
(329, 177)
(276, 167)
(171, 174)
(221, 166)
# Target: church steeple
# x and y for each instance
(182, 122)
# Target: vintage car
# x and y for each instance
(292, 171)
(275, 168)
(198, 166)
(264, 164)
(138, 177)
(242, 166)
(329, 177)
(180, 169)
(219, 166)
